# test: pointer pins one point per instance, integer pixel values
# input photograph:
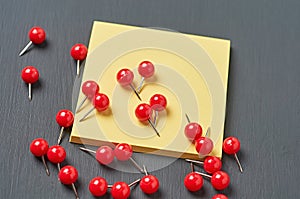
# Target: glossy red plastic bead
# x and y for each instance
(30, 74)
(90, 88)
(79, 52)
(68, 175)
(193, 131)
(219, 196)
(158, 102)
(204, 146)
(101, 101)
(98, 186)
(56, 154)
(65, 118)
(231, 145)
(220, 180)
(212, 164)
(37, 35)
(149, 184)
(125, 77)
(39, 147)
(123, 151)
(105, 155)
(146, 69)
(143, 112)
(120, 190)
(193, 181)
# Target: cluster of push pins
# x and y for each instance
(145, 113)
(37, 36)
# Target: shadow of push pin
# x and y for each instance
(79, 53)
(143, 113)
(36, 35)
(219, 180)
(100, 103)
(125, 78)
(89, 89)
(231, 146)
(65, 119)
(56, 154)
(68, 175)
(39, 148)
(30, 75)
(146, 70)
(121, 190)
(149, 183)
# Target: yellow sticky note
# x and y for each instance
(190, 71)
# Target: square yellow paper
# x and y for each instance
(190, 70)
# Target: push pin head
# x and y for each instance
(123, 151)
(212, 164)
(98, 186)
(231, 146)
(105, 155)
(220, 180)
(39, 148)
(65, 119)
(125, 78)
(193, 131)
(149, 184)
(146, 69)
(219, 196)
(56, 154)
(68, 175)
(193, 181)
(30, 75)
(89, 89)
(36, 35)
(204, 146)
(143, 112)
(79, 53)
(158, 102)
(121, 190)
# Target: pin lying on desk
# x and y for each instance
(121, 190)
(100, 103)
(56, 154)
(37, 35)
(30, 75)
(65, 119)
(193, 181)
(146, 70)
(158, 103)
(231, 146)
(125, 78)
(89, 89)
(149, 184)
(219, 180)
(143, 113)
(68, 175)
(79, 53)
(39, 148)
(105, 154)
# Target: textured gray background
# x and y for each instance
(263, 98)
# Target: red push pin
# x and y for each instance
(231, 146)
(98, 186)
(146, 70)
(65, 119)
(143, 113)
(193, 181)
(123, 152)
(125, 78)
(36, 35)
(89, 89)
(121, 190)
(192, 130)
(219, 180)
(219, 196)
(100, 103)
(158, 103)
(211, 164)
(56, 154)
(68, 176)
(79, 53)
(30, 75)
(204, 145)
(104, 154)
(39, 148)
(149, 184)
